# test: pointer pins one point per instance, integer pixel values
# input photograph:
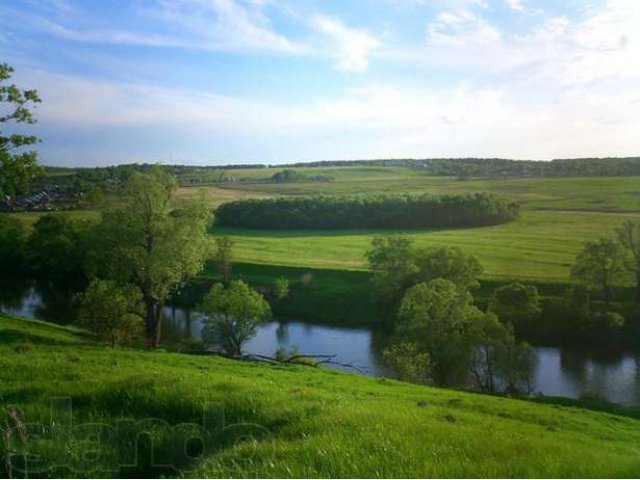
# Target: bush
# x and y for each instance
(387, 212)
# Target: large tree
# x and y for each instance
(599, 265)
(629, 238)
(152, 245)
(437, 316)
(232, 315)
(17, 166)
(516, 304)
(397, 265)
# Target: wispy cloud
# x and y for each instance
(349, 46)
(461, 29)
(214, 25)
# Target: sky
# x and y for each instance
(213, 82)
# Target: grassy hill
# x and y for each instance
(276, 421)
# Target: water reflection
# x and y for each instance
(559, 372)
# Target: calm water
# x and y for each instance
(559, 372)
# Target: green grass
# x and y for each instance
(298, 421)
(581, 193)
(539, 246)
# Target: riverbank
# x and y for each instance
(296, 421)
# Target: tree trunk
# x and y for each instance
(158, 325)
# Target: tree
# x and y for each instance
(232, 315)
(437, 316)
(151, 245)
(57, 250)
(489, 337)
(629, 238)
(224, 256)
(515, 365)
(392, 261)
(408, 363)
(450, 263)
(599, 265)
(115, 313)
(517, 304)
(17, 167)
(13, 239)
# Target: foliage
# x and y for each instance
(437, 316)
(281, 288)
(489, 337)
(57, 249)
(515, 364)
(451, 263)
(232, 315)
(288, 175)
(115, 313)
(397, 265)
(223, 256)
(13, 239)
(599, 264)
(17, 168)
(629, 238)
(333, 212)
(392, 262)
(408, 363)
(151, 245)
(516, 304)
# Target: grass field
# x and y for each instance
(539, 246)
(279, 421)
(559, 214)
(586, 193)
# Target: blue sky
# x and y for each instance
(226, 81)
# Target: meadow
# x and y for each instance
(278, 421)
(558, 215)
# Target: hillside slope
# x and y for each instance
(273, 421)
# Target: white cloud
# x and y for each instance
(350, 47)
(386, 120)
(461, 29)
(213, 25)
(515, 5)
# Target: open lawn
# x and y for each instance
(276, 421)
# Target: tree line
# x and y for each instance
(380, 211)
(442, 336)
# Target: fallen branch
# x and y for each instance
(317, 359)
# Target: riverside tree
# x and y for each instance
(516, 304)
(232, 315)
(437, 317)
(599, 265)
(223, 256)
(114, 312)
(151, 245)
(397, 265)
(629, 238)
(17, 166)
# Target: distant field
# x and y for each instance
(559, 214)
(586, 193)
(216, 196)
(539, 246)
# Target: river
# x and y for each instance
(559, 372)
